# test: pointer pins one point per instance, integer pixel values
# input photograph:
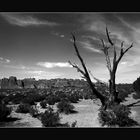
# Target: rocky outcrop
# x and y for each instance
(5, 83)
(20, 84)
(29, 83)
(13, 83)
(10, 83)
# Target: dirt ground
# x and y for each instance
(86, 116)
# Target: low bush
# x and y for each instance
(23, 108)
(36, 97)
(4, 111)
(34, 112)
(67, 125)
(52, 99)
(50, 118)
(74, 124)
(26, 108)
(2, 96)
(28, 100)
(15, 99)
(61, 95)
(64, 106)
(73, 98)
(118, 115)
(43, 104)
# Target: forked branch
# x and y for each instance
(78, 69)
(86, 74)
(122, 52)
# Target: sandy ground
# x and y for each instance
(86, 116)
(135, 110)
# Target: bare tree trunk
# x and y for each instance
(112, 70)
(113, 94)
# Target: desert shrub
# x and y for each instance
(36, 97)
(4, 111)
(73, 98)
(28, 100)
(23, 108)
(26, 108)
(33, 97)
(118, 115)
(74, 124)
(15, 99)
(43, 104)
(52, 99)
(62, 95)
(2, 96)
(50, 118)
(136, 96)
(34, 112)
(136, 87)
(123, 94)
(67, 125)
(124, 90)
(65, 106)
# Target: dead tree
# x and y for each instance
(113, 94)
(113, 68)
(85, 74)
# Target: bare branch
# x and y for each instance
(98, 80)
(95, 102)
(133, 104)
(105, 50)
(122, 52)
(80, 58)
(128, 48)
(86, 74)
(108, 37)
(76, 66)
(122, 44)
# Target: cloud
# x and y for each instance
(96, 23)
(62, 36)
(88, 46)
(127, 24)
(54, 64)
(3, 60)
(93, 22)
(39, 74)
(20, 67)
(91, 37)
(36, 72)
(123, 63)
(26, 20)
(57, 34)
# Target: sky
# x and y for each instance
(39, 45)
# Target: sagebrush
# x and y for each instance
(64, 106)
(118, 115)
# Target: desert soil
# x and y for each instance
(86, 116)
